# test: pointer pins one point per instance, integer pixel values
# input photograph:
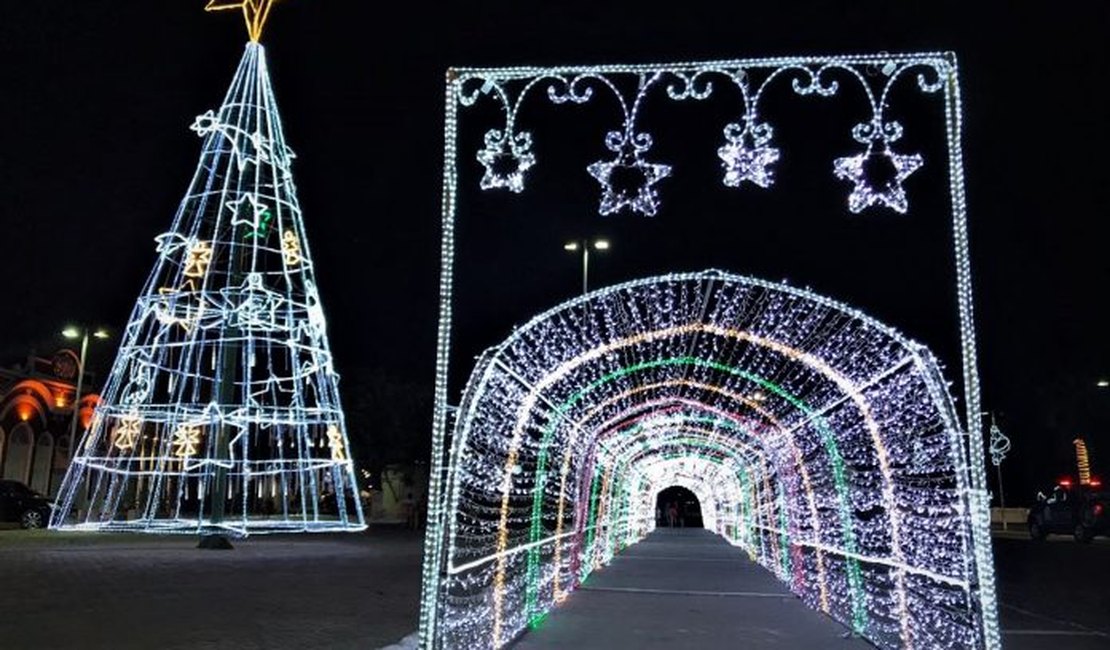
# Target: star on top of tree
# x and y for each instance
(255, 13)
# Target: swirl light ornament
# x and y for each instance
(221, 413)
(818, 440)
(628, 181)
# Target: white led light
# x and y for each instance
(224, 384)
(840, 465)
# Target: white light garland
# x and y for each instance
(221, 412)
(855, 485)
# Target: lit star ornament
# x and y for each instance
(866, 192)
(746, 156)
(627, 180)
(255, 13)
(506, 157)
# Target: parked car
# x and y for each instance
(21, 504)
(1078, 509)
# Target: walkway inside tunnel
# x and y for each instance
(685, 588)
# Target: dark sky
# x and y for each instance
(95, 153)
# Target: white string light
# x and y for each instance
(852, 480)
(221, 412)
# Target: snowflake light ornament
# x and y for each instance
(628, 180)
(746, 156)
(506, 157)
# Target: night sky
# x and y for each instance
(95, 153)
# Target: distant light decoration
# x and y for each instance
(221, 413)
(822, 443)
(1082, 461)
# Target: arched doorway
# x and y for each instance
(17, 461)
(819, 440)
(42, 464)
(678, 507)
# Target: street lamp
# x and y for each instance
(1103, 383)
(82, 333)
(584, 245)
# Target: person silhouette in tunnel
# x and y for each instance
(672, 514)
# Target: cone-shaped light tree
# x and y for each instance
(221, 413)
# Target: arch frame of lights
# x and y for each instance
(938, 74)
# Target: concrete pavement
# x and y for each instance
(685, 588)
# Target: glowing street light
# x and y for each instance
(584, 245)
(73, 332)
(1103, 383)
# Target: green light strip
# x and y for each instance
(836, 463)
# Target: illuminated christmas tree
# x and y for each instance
(221, 413)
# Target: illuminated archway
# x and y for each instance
(822, 442)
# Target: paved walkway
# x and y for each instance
(685, 588)
(125, 591)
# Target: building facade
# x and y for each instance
(37, 401)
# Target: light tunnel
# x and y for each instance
(822, 443)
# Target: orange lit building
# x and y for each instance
(36, 411)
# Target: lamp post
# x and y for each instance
(598, 244)
(999, 447)
(82, 333)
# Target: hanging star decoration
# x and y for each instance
(867, 191)
(197, 260)
(255, 13)
(628, 180)
(186, 440)
(335, 443)
(126, 433)
(746, 156)
(506, 157)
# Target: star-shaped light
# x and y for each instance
(746, 155)
(186, 440)
(628, 180)
(335, 443)
(255, 13)
(126, 433)
(868, 191)
(257, 218)
(743, 163)
(506, 157)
